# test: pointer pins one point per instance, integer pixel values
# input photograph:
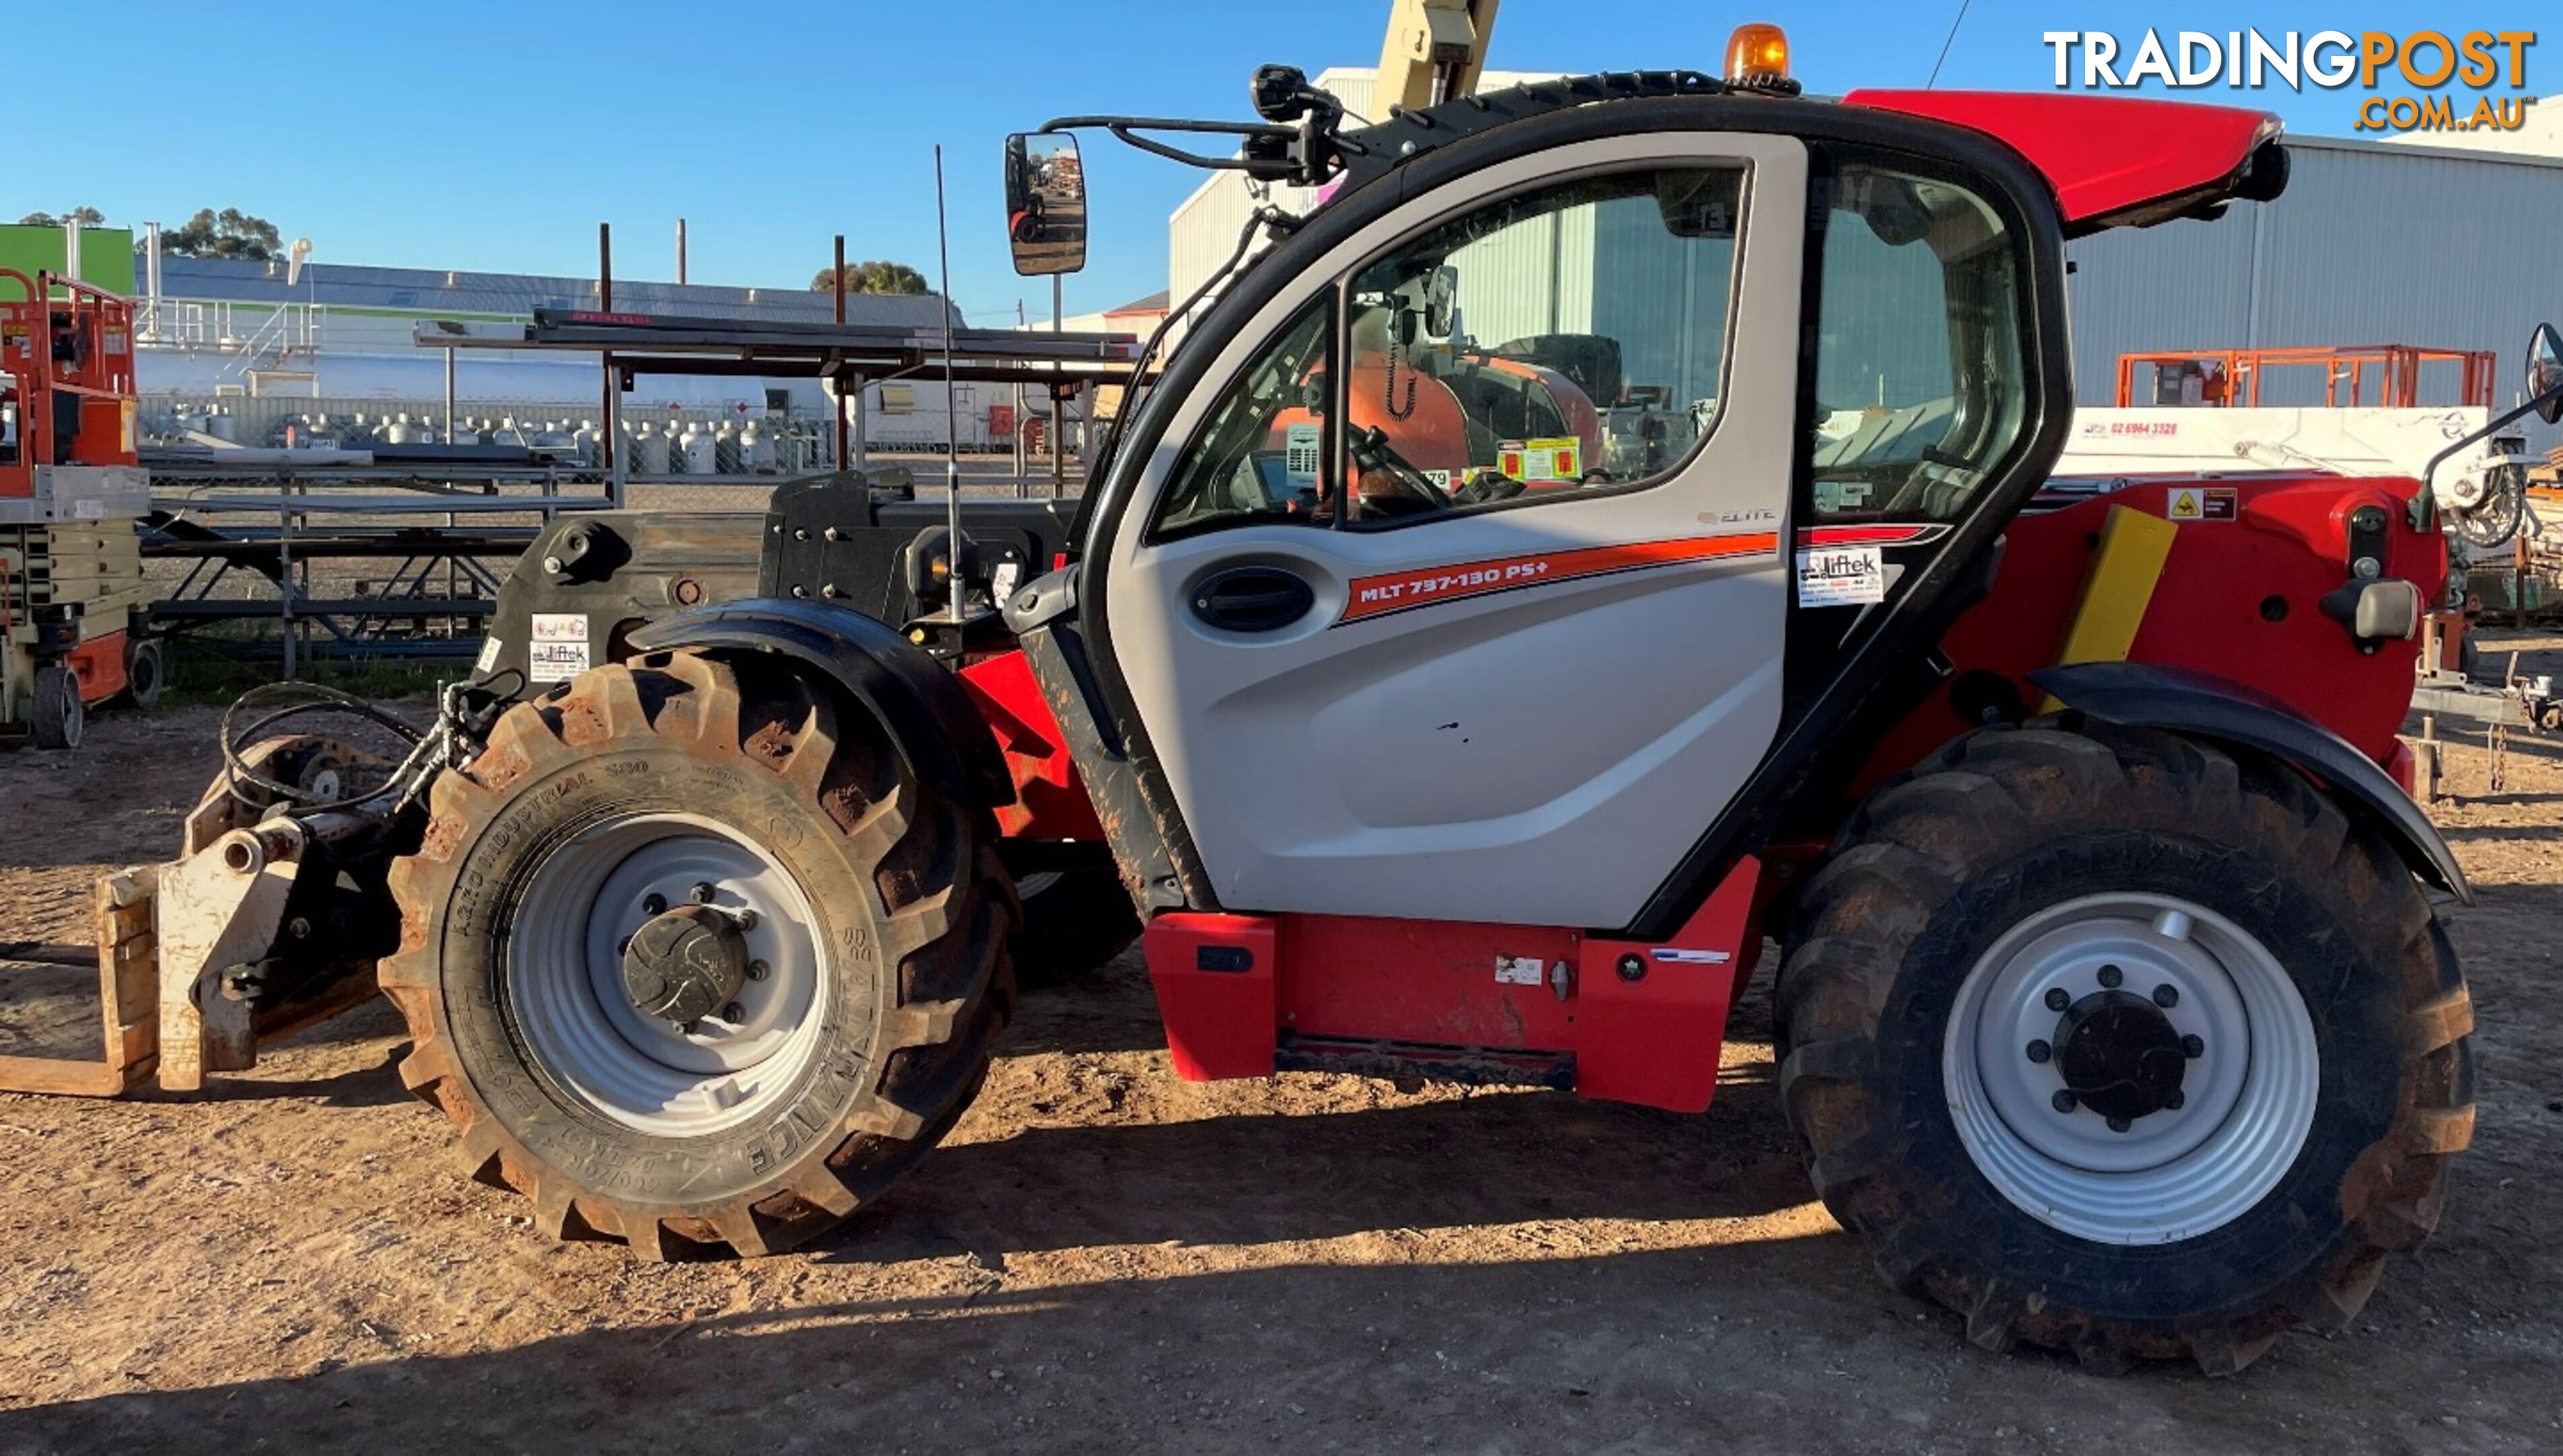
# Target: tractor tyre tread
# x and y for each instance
(943, 904)
(1997, 794)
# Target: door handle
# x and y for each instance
(1251, 599)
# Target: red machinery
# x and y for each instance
(2113, 1009)
(70, 571)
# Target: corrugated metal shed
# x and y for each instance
(2371, 244)
(517, 296)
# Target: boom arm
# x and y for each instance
(1435, 51)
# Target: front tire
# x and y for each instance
(2118, 1045)
(692, 960)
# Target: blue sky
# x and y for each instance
(488, 135)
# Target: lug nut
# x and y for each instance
(2119, 1125)
(2058, 999)
(2064, 1100)
(2175, 1100)
(758, 970)
(2111, 977)
(653, 904)
(747, 920)
(2166, 995)
(2040, 1051)
(733, 1013)
(690, 1028)
(702, 892)
(2193, 1045)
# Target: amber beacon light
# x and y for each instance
(1757, 59)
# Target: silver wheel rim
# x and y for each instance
(564, 977)
(2249, 1088)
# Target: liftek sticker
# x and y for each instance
(491, 647)
(1836, 576)
(1001, 582)
(558, 651)
(89, 509)
(1518, 971)
(1303, 447)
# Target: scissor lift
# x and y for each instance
(71, 491)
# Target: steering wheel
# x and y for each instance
(1371, 451)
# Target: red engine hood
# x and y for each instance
(2115, 162)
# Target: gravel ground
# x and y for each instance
(1104, 1258)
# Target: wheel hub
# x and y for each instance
(2130, 1067)
(2121, 1056)
(684, 964)
(666, 973)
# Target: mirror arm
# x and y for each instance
(1302, 142)
(2425, 505)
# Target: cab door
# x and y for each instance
(1460, 592)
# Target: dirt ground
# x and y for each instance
(1103, 1258)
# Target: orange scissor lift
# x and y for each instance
(72, 595)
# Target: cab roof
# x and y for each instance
(2115, 162)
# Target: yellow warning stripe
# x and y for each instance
(2118, 589)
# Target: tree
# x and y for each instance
(88, 217)
(230, 233)
(874, 277)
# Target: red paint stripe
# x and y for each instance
(1863, 536)
(1396, 592)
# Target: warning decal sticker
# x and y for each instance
(1396, 592)
(2201, 503)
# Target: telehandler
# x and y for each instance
(2112, 1008)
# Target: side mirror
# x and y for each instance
(2545, 373)
(1045, 203)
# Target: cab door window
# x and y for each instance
(1920, 389)
(1261, 456)
(1566, 339)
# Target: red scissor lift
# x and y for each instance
(71, 490)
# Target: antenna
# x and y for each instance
(951, 408)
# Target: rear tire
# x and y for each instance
(58, 716)
(142, 675)
(855, 920)
(2285, 1125)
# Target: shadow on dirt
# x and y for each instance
(1603, 1351)
(1253, 1179)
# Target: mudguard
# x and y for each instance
(2202, 705)
(929, 716)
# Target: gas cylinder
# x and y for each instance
(700, 449)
